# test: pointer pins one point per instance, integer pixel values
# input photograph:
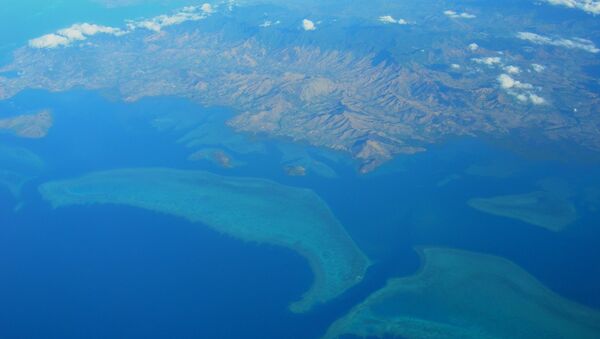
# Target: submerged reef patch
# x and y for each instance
(460, 294)
(541, 208)
(250, 209)
(17, 166)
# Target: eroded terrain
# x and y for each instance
(33, 126)
(429, 85)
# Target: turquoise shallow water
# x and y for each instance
(114, 271)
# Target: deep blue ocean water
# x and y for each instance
(110, 271)
(117, 272)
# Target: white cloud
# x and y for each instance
(455, 66)
(269, 23)
(308, 25)
(520, 90)
(512, 69)
(573, 43)
(589, 6)
(49, 41)
(473, 46)
(231, 4)
(388, 19)
(536, 100)
(80, 32)
(490, 61)
(507, 82)
(521, 97)
(190, 13)
(454, 15)
(538, 68)
(207, 8)
(77, 32)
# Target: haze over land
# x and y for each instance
(266, 169)
(371, 102)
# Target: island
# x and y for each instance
(32, 126)
(541, 208)
(297, 161)
(398, 89)
(295, 170)
(249, 209)
(215, 156)
(459, 294)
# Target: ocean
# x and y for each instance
(113, 271)
(119, 272)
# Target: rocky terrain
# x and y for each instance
(32, 126)
(348, 100)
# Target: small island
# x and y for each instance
(297, 162)
(295, 170)
(541, 208)
(250, 209)
(215, 156)
(33, 126)
(459, 294)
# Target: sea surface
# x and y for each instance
(112, 271)
(118, 272)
